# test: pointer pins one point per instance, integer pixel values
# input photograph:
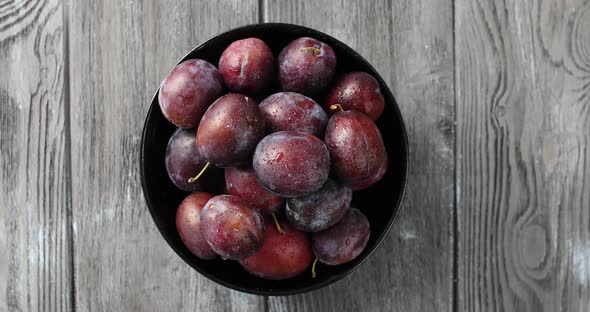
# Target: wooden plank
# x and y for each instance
(120, 51)
(410, 43)
(35, 237)
(523, 138)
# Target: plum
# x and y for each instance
(321, 209)
(344, 241)
(232, 227)
(183, 160)
(230, 130)
(247, 66)
(356, 147)
(188, 224)
(281, 256)
(358, 91)
(290, 111)
(242, 182)
(291, 164)
(372, 180)
(188, 90)
(306, 66)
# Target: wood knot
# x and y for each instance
(533, 243)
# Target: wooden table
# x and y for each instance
(496, 96)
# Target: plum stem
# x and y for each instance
(313, 275)
(274, 217)
(315, 50)
(336, 106)
(191, 180)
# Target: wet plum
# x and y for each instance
(183, 160)
(247, 66)
(290, 111)
(242, 182)
(188, 224)
(356, 147)
(321, 209)
(358, 91)
(291, 164)
(370, 181)
(281, 256)
(306, 66)
(188, 90)
(344, 241)
(230, 130)
(232, 227)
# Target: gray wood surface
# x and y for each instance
(119, 53)
(412, 48)
(523, 135)
(496, 96)
(35, 270)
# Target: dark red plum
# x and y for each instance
(281, 256)
(188, 90)
(321, 209)
(290, 111)
(344, 241)
(183, 160)
(291, 164)
(242, 182)
(232, 227)
(358, 91)
(247, 66)
(188, 223)
(306, 66)
(372, 180)
(230, 130)
(355, 145)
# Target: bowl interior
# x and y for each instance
(379, 203)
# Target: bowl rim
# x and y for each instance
(398, 205)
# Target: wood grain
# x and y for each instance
(410, 43)
(523, 157)
(35, 237)
(519, 171)
(120, 51)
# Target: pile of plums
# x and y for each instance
(291, 165)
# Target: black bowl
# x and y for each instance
(380, 203)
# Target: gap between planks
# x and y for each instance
(68, 152)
